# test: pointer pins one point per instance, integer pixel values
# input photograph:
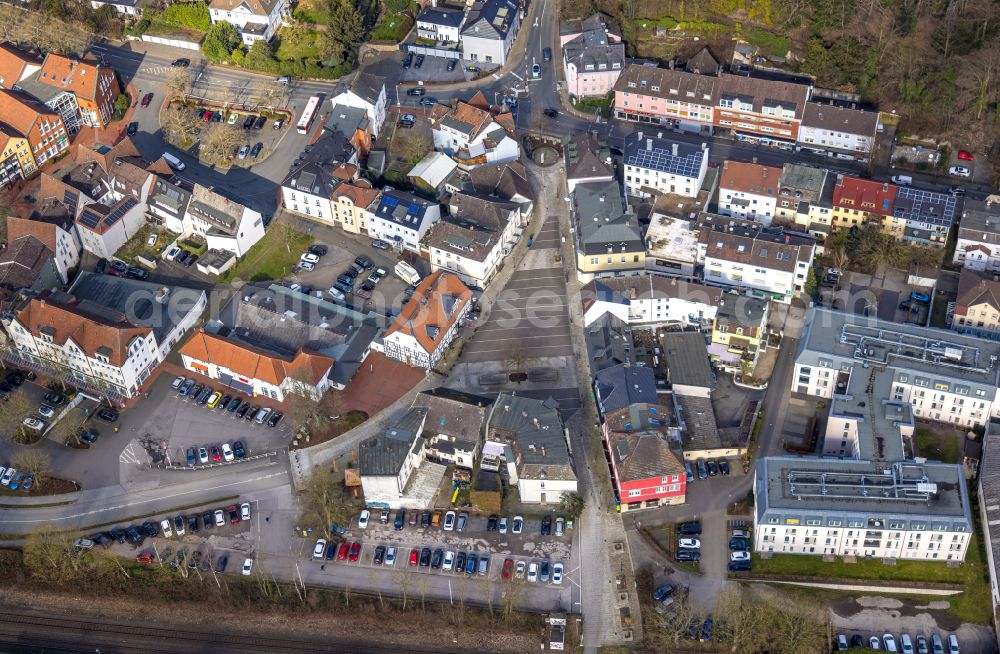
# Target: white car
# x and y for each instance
(319, 549)
(306, 265)
(33, 423)
(557, 573)
(533, 572)
(245, 511)
(560, 523)
(247, 567)
(46, 411)
(7, 476)
(503, 525)
(449, 560)
(690, 543)
(739, 556)
(151, 241)
(220, 518)
(363, 519)
(177, 383)
(519, 569)
(889, 642)
(203, 454)
(172, 253)
(310, 257)
(874, 643)
(336, 294)
(517, 524)
(166, 528)
(960, 171)
(449, 521)
(227, 453)
(390, 556)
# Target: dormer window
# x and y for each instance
(642, 83)
(655, 88)
(631, 85)
(616, 65)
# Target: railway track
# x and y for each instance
(40, 632)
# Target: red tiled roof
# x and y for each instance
(425, 317)
(864, 195)
(21, 111)
(253, 363)
(13, 63)
(79, 77)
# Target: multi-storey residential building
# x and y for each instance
(93, 335)
(760, 110)
(827, 507)
(978, 246)
(608, 239)
(267, 373)
(105, 228)
(353, 203)
(440, 24)
(739, 332)
(366, 92)
(977, 307)
(671, 245)
(858, 201)
(255, 20)
(688, 370)
(474, 239)
(309, 187)
(838, 131)
(474, 135)
(528, 437)
(943, 376)
(587, 159)
(661, 96)
(455, 423)
(15, 155)
(402, 218)
(388, 461)
(225, 224)
(650, 300)
(749, 191)
(83, 93)
(56, 233)
(489, 30)
(168, 200)
(767, 262)
(658, 166)
(354, 125)
(429, 321)
(800, 188)
(507, 181)
(16, 64)
(43, 128)
(922, 217)
(593, 59)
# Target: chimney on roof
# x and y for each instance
(531, 448)
(675, 148)
(524, 414)
(755, 159)
(506, 407)
(659, 135)
(602, 197)
(534, 421)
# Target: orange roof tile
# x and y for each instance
(345, 171)
(864, 195)
(750, 178)
(21, 111)
(64, 322)
(359, 193)
(44, 232)
(254, 363)
(13, 63)
(425, 317)
(79, 77)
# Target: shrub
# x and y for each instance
(193, 15)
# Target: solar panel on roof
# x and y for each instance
(414, 208)
(90, 218)
(390, 201)
(69, 199)
(117, 214)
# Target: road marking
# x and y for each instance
(516, 75)
(128, 456)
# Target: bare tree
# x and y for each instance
(179, 81)
(745, 626)
(179, 127)
(404, 581)
(72, 425)
(676, 623)
(511, 589)
(220, 140)
(15, 408)
(796, 629)
(415, 147)
(49, 556)
(322, 502)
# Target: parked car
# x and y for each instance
(533, 572)
(536, 70)
(133, 127)
(960, 171)
(379, 244)
(408, 60)
(692, 543)
(248, 122)
(702, 469)
(428, 102)
(419, 61)
(463, 519)
(146, 100)
(247, 567)
(517, 524)
(275, 419)
(451, 64)
(491, 523)
(965, 156)
(546, 526)
(449, 521)
(259, 122)
(244, 151)
(557, 573)
(739, 544)
(180, 63)
(255, 150)
(416, 91)
(688, 555)
(390, 556)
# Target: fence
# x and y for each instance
(173, 43)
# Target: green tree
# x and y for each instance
(346, 26)
(261, 56)
(572, 504)
(220, 41)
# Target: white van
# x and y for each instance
(173, 161)
(407, 273)
(902, 180)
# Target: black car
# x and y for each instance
(220, 563)
(252, 412)
(101, 538)
(234, 404)
(365, 263)
(460, 561)
(216, 116)
(107, 415)
(248, 122)
(379, 555)
(547, 54)
(243, 409)
(419, 62)
(259, 122)
(857, 641)
(118, 535)
(195, 392)
(400, 519)
(102, 266)
(331, 551)
(724, 468)
(417, 91)
(54, 399)
(238, 450)
(204, 395)
(688, 555)
(208, 519)
(663, 592)
(739, 566)
(550, 113)
(183, 257)
(190, 260)
(180, 63)
(713, 468)
(179, 523)
(437, 558)
(193, 524)
(90, 436)
(255, 150)
(346, 279)
(408, 60)
(133, 127)
(344, 288)
(136, 273)
(275, 419)
(425, 519)
(451, 64)
(318, 249)
(134, 536)
(491, 524)
(546, 525)
(224, 402)
(150, 528)
(689, 528)
(425, 557)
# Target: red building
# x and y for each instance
(646, 471)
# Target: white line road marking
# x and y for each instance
(128, 456)
(153, 499)
(517, 76)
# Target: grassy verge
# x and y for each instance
(591, 105)
(973, 605)
(769, 42)
(943, 446)
(273, 256)
(393, 28)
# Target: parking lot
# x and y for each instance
(260, 136)
(435, 69)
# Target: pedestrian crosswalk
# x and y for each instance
(154, 70)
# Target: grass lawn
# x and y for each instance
(974, 605)
(272, 257)
(393, 28)
(590, 105)
(311, 12)
(770, 43)
(296, 44)
(944, 445)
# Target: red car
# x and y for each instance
(355, 551)
(508, 566)
(146, 99)
(216, 454)
(965, 156)
(342, 552)
(145, 557)
(234, 514)
(207, 116)
(414, 557)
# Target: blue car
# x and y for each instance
(920, 297)
(190, 456)
(15, 483)
(26, 484)
(470, 564)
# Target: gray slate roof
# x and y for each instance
(659, 155)
(686, 354)
(490, 19)
(607, 338)
(513, 420)
(620, 386)
(384, 455)
(600, 212)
